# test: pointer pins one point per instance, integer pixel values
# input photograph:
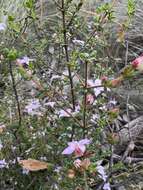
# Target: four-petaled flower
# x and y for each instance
(78, 147)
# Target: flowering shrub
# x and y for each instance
(55, 92)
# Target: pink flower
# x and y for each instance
(138, 63)
(90, 99)
(78, 147)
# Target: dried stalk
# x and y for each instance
(66, 52)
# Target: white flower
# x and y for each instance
(98, 83)
(78, 42)
(103, 175)
(55, 77)
(106, 186)
(77, 108)
(68, 112)
(65, 113)
(51, 104)
(3, 164)
(95, 118)
(25, 171)
(1, 146)
(2, 26)
(33, 107)
(113, 102)
(103, 108)
(58, 169)
(101, 172)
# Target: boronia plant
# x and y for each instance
(60, 125)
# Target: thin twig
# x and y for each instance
(66, 53)
(18, 108)
(85, 99)
(85, 180)
(126, 54)
(15, 92)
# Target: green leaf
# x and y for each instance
(10, 18)
(12, 54)
(29, 4)
(14, 26)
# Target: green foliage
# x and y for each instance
(131, 7)
(29, 4)
(12, 55)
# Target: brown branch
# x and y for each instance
(15, 92)
(127, 160)
(85, 99)
(66, 52)
(18, 108)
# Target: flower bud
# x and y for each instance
(71, 173)
(138, 63)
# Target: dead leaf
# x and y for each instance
(33, 165)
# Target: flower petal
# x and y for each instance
(73, 143)
(84, 141)
(82, 148)
(68, 150)
(106, 186)
(2, 26)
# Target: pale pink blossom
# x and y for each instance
(77, 147)
(89, 99)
